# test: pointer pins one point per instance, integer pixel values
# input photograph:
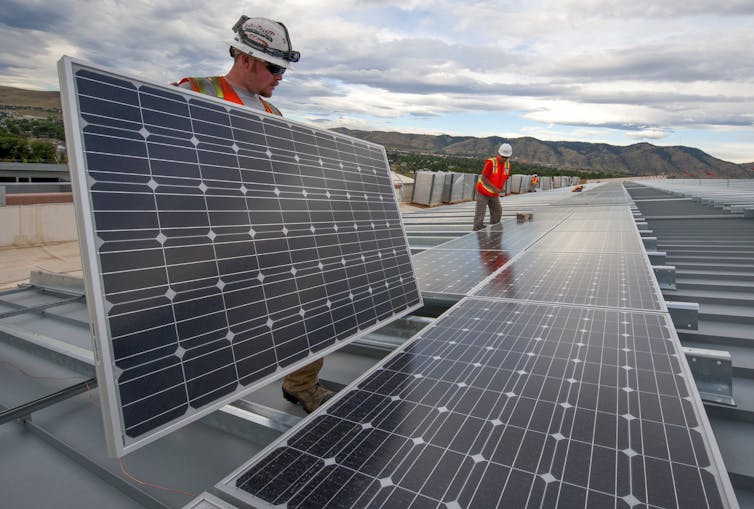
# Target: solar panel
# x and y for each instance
(447, 272)
(577, 222)
(506, 404)
(603, 194)
(457, 266)
(621, 280)
(222, 246)
(609, 211)
(597, 242)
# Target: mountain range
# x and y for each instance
(21, 99)
(636, 159)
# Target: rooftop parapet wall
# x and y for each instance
(36, 224)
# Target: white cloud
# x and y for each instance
(647, 134)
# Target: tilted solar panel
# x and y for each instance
(222, 246)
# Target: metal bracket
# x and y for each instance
(657, 257)
(650, 243)
(685, 315)
(665, 276)
(713, 374)
(25, 410)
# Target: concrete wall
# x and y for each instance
(29, 225)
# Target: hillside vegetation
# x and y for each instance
(31, 126)
(33, 98)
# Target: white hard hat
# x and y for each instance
(264, 39)
(505, 150)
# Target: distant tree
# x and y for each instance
(13, 147)
(41, 151)
(18, 148)
(35, 127)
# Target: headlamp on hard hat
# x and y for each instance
(290, 55)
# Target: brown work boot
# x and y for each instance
(311, 398)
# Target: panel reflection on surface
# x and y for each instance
(457, 271)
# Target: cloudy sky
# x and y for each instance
(667, 72)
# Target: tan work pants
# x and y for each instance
(303, 378)
(482, 203)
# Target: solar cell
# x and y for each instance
(506, 404)
(222, 246)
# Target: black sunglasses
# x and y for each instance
(275, 69)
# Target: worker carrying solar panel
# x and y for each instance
(261, 51)
(489, 186)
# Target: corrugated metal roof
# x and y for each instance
(712, 250)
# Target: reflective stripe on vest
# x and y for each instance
(215, 86)
(218, 86)
(506, 166)
(490, 192)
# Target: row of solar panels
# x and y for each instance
(556, 381)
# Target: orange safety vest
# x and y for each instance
(534, 181)
(218, 86)
(496, 172)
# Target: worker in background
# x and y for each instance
(534, 182)
(261, 52)
(489, 186)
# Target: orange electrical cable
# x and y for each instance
(150, 485)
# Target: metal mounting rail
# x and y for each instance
(25, 410)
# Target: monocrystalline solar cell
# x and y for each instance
(222, 246)
(506, 404)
